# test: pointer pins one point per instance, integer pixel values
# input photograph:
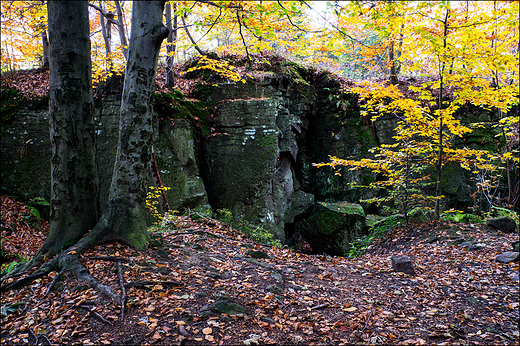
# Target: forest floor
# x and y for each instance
(177, 292)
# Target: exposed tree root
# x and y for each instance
(94, 313)
(68, 261)
(71, 263)
(24, 268)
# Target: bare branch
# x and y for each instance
(104, 13)
(201, 52)
(334, 26)
(242, 36)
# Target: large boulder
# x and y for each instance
(332, 227)
(503, 223)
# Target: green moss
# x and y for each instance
(170, 106)
(344, 207)
(268, 139)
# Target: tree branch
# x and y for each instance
(201, 52)
(289, 17)
(334, 26)
(104, 13)
(242, 37)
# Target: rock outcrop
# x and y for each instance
(248, 148)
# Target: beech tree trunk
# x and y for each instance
(45, 46)
(121, 28)
(125, 212)
(172, 45)
(74, 203)
(74, 189)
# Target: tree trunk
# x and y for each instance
(45, 46)
(393, 65)
(121, 28)
(107, 34)
(440, 154)
(125, 212)
(171, 47)
(74, 190)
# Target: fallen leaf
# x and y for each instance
(149, 308)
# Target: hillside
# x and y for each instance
(179, 291)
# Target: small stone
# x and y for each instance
(228, 308)
(403, 264)
(508, 257)
(257, 254)
(205, 314)
(226, 319)
(476, 246)
(277, 276)
(472, 246)
(163, 253)
(503, 223)
(163, 270)
(267, 320)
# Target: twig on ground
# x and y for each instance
(36, 339)
(95, 313)
(123, 290)
(368, 319)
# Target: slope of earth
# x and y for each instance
(203, 283)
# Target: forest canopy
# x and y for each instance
(358, 39)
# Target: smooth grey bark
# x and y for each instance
(74, 189)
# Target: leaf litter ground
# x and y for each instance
(457, 296)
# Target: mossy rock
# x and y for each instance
(229, 308)
(257, 254)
